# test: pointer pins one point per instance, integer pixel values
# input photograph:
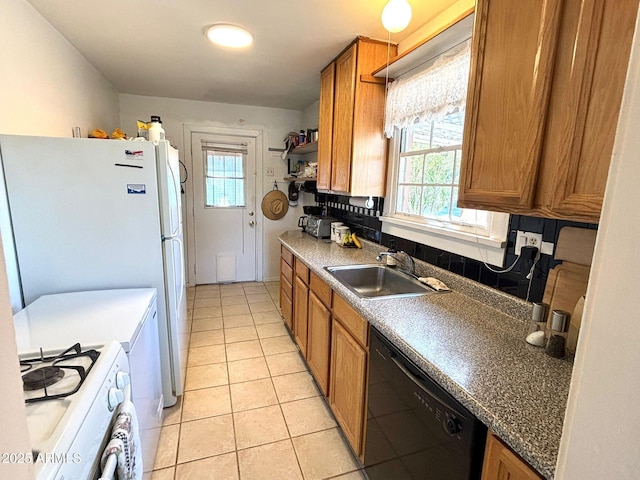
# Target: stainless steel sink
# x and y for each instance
(378, 281)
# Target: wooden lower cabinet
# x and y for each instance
(500, 463)
(286, 302)
(319, 341)
(300, 312)
(348, 384)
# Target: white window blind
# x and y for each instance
(225, 175)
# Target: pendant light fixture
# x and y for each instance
(396, 15)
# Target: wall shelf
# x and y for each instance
(304, 149)
(299, 179)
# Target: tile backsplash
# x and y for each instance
(365, 222)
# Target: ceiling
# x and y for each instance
(159, 47)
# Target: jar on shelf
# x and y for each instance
(557, 342)
(536, 334)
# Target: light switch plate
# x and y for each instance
(269, 172)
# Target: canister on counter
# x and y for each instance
(538, 324)
(557, 342)
(334, 227)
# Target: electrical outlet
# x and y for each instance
(527, 239)
(269, 172)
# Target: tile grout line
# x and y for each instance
(277, 397)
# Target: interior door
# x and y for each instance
(224, 207)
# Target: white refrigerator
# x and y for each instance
(89, 214)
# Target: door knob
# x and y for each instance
(252, 223)
(251, 214)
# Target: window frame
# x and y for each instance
(487, 245)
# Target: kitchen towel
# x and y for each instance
(125, 444)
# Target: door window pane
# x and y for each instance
(224, 179)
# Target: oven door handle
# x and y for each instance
(416, 380)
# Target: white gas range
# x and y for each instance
(71, 396)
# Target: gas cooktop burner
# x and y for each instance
(74, 362)
(41, 378)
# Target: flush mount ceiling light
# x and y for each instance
(229, 36)
(396, 15)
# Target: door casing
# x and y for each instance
(189, 207)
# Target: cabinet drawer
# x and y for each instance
(286, 255)
(321, 289)
(352, 320)
(302, 271)
(286, 287)
(286, 270)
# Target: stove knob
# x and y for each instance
(122, 380)
(451, 425)
(116, 397)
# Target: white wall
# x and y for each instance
(47, 85)
(47, 88)
(274, 123)
(601, 435)
(311, 115)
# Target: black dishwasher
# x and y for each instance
(415, 429)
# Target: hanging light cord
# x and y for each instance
(386, 84)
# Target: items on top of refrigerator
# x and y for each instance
(98, 133)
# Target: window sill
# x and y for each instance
(485, 249)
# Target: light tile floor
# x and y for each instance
(251, 410)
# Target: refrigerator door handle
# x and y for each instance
(180, 293)
(182, 277)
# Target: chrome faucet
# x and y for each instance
(412, 263)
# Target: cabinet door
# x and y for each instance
(286, 304)
(501, 463)
(319, 341)
(300, 308)
(369, 145)
(348, 383)
(325, 126)
(593, 54)
(511, 73)
(345, 86)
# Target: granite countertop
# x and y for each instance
(471, 341)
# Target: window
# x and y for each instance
(224, 178)
(425, 117)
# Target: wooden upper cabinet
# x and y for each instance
(345, 90)
(545, 90)
(593, 55)
(510, 80)
(325, 126)
(352, 156)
